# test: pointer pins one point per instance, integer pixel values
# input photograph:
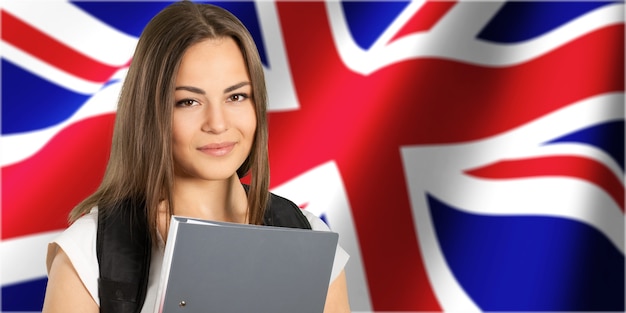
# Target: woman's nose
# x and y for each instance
(215, 119)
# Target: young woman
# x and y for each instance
(191, 122)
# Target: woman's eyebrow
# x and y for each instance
(202, 92)
(191, 89)
(236, 86)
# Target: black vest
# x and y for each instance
(123, 248)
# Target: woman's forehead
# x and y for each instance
(217, 63)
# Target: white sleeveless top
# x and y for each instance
(79, 243)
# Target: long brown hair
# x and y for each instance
(140, 166)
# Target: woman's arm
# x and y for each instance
(337, 297)
(65, 291)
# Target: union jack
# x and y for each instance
(470, 154)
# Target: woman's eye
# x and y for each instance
(186, 103)
(238, 97)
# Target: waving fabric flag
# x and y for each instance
(470, 154)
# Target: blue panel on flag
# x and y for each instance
(519, 21)
(31, 103)
(530, 263)
(368, 20)
(24, 297)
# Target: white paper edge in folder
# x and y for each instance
(168, 254)
(167, 259)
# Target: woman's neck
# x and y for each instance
(212, 200)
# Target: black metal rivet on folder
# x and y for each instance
(182, 303)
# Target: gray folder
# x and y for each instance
(234, 268)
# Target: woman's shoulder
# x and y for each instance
(341, 256)
(81, 229)
(316, 222)
(79, 236)
(78, 241)
(89, 219)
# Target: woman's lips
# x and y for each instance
(217, 149)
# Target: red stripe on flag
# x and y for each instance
(564, 166)
(39, 192)
(425, 18)
(52, 51)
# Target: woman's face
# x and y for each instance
(214, 118)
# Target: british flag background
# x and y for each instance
(470, 154)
